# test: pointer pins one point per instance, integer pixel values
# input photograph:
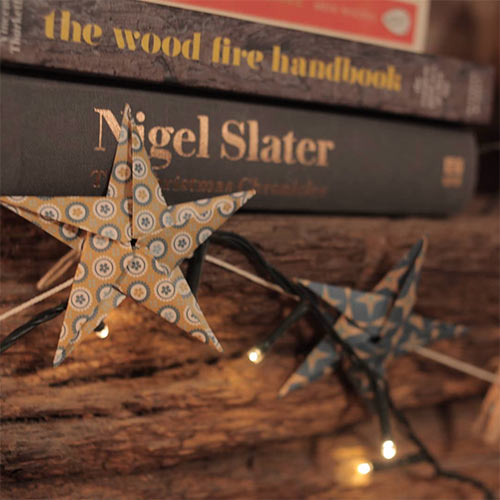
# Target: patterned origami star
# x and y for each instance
(131, 243)
(379, 325)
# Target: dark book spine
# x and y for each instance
(64, 141)
(157, 43)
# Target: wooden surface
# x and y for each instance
(149, 413)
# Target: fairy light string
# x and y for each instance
(308, 303)
(256, 354)
(379, 384)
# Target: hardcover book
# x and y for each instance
(163, 44)
(63, 143)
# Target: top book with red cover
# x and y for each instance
(147, 41)
(399, 24)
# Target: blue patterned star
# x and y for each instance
(379, 325)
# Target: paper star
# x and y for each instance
(131, 243)
(378, 325)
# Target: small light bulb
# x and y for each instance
(365, 468)
(103, 332)
(388, 449)
(255, 355)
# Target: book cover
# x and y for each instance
(298, 160)
(157, 43)
(399, 24)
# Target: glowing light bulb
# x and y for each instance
(388, 449)
(103, 333)
(365, 468)
(255, 355)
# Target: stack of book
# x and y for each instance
(313, 122)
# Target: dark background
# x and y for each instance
(468, 29)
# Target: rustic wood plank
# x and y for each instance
(459, 273)
(152, 407)
(299, 468)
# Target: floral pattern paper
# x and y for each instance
(131, 243)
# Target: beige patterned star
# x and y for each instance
(130, 242)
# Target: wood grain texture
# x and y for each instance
(298, 468)
(461, 103)
(151, 413)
